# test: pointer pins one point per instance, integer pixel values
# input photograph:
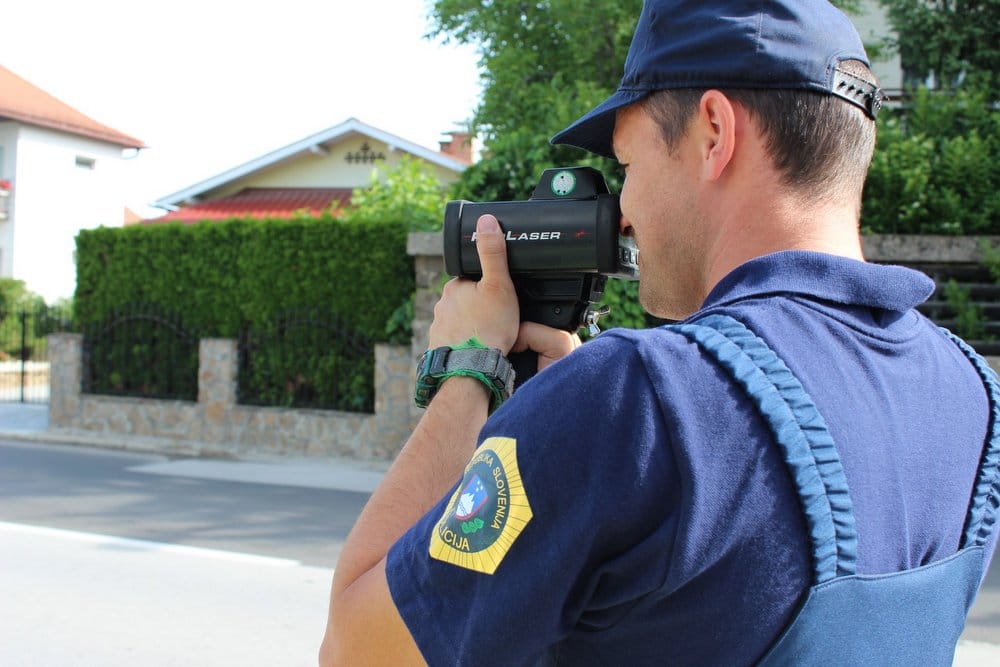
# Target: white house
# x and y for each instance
(319, 171)
(63, 173)
(313, 174)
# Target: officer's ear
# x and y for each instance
(715, 131)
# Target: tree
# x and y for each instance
(937, 167)
(543, 65)
(405, 192)
(953, 39)
(14, 294)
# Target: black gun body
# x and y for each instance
(559, 252)
(571, 236)
(562, 245)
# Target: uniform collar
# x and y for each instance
(826, 277)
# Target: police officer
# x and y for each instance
(801, 471)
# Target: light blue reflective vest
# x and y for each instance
(913, 617)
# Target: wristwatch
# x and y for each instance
(488, 365)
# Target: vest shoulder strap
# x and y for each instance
(982, 513)
(800, 432)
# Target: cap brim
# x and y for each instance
(594, 130)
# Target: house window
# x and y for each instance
(85, 162)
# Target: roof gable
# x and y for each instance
(312, 143)
(24, 102)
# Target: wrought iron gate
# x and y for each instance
(24, 364)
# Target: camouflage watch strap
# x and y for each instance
(488, 365)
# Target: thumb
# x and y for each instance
(492, 249)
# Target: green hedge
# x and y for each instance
(225, 277)
(936, 168)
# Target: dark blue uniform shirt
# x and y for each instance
(629, 506)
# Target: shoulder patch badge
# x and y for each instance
(487, 512)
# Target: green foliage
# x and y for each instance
(544, 64)
(990, 258)
(952, 38)
(399, 327)
(622, 296)
(936, 169)
(14, 294)
(25, 320)
(224, 277)
(970, 320)
(307, 359)
(141, 350)
(407, 192)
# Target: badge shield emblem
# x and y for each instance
(487, 512)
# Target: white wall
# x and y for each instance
(54, 198)
(8, 141)
(873, 26)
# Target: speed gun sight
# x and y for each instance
(563, 243)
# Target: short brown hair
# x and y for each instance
(818, 142)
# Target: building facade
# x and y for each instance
(62, 172)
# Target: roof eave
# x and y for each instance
(116, 138)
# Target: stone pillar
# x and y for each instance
(217, 380)
(65, 351)
(394, 376)
(427, 250)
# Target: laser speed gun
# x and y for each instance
(563, 243)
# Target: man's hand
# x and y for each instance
(550, 344)
(487, 308)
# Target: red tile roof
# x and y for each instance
(262, 203)
(21, 101)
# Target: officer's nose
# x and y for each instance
(624, 226)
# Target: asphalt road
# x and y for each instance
(117, 559)
(114, 493)
(72, 598)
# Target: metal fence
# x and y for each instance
(141, 350)
(24, 364)
(301, 358)
(306, 359)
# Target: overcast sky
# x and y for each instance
(210, 84)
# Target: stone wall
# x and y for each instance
(216, 425)
(918, 250)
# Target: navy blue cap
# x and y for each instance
(780, 44)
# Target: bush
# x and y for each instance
(141, 350)
(936, 169)
(622, 296)
(25, 321)
(224, 277)
(407, 192)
